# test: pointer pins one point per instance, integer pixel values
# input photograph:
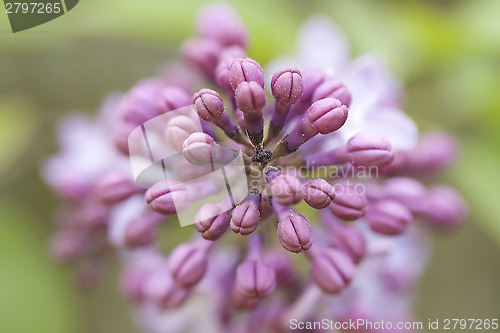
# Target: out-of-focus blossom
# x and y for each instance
(235, 158)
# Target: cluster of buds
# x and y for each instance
(279, 146)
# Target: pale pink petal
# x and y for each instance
(321, 43)
(392, 123)
(369, 79)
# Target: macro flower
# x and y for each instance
(320, 166)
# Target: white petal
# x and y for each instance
(392, 123)
(121, 216)
(368, 78)
(321, 43)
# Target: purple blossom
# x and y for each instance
(365, 246)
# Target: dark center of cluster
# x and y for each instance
(262, 156)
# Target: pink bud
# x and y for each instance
(444, 207)
(167, 198)
(369, 150)
(250, 97)
(246, 70)
(120, 137)
(115, 187)
(68, 245)
(208, 104)
(332, 89)
(434, 152)
(141, 101)
(201, 149)
(142, 231)
(388, 217)
(283, 266)
(286, 190)
(349, 204)
(172, 98)
(203, 53)
(245, 217)
(295, 233)
(287, 85)
(188, 264)
(211, 221)
(161, 289)
(220, 22)
(332, 270)
(327, 115)
(255, 279)
(223, 69)
(351, 241)
(407, 191)
(312, 78)
(179, 129)
(318, 193)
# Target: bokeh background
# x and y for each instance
(447, 53)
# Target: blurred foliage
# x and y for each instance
(446, 52)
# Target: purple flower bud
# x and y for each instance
(142, 231)
(179, 129)
(68, 245)
(141, 102)
(203, 53)
(255, 279)
(351, 241)
(242, 301)
(332, 270)
(287, 85)
(120, 137)
(245, 217)
(201, 149)
(211, 221)
(161, 289)
(172, 98)
(312, 78)
(332, 89)
(327, 115)
(286, 190)
(265, 207)
(349, 204)
(223, 69)
(434, 152)
(318, 193)
(208, 104)
(407, 191)
(250, 98)
(93, 214)
(294, 231)
(283, 266)
(167, 198)
(210, 107)
(115, 187)
(139, 270)
(246, 70)
(369, 150)
(188, 263)
(324, 116)
(221, 23)
(444, 207)
(388, 217)
(326, 158)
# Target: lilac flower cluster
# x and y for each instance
(363, 238)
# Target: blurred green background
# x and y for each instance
(447, 53)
